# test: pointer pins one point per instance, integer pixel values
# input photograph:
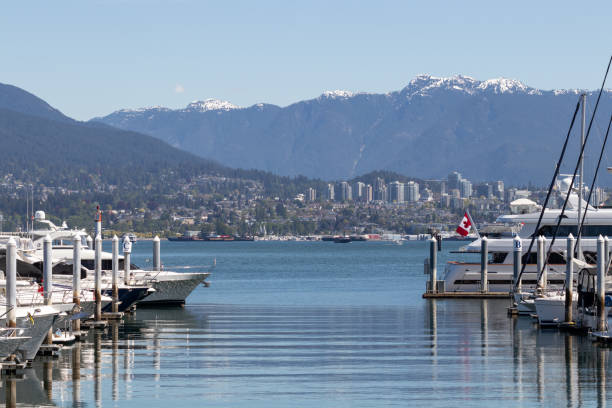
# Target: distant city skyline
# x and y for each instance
(91, 58)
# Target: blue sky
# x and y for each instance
(89, 58)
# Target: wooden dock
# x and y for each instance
(12, 368)
(94, 324)
(49, 350)
(467, 295)
(112, 316)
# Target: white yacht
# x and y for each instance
(169, 287)
(461, 276)
(465, 276)
(35, 321)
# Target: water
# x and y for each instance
(318, 324)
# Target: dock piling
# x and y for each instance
(484, 264)
(115, 307)
(98, 277)
(156, 254)
(76, 278)
(601, 286)
(98, 220)
(518, 251)
(48, 278)
(433, 264)
(89, 242)
(127, 250)
(542, 270)
(569, 279)
(11, 283)
(607, 252)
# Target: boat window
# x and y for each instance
(497, 257)
(564, 230)
(62, 269)
(554, 258)
(587, 230)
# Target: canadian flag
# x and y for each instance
(465, 225)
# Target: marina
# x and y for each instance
(293, 321)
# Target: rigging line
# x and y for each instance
(592, 184)
(586, 139)
(595, 176)
(603, 84)
(550, 188)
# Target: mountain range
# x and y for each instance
(41, 145)
(497, 129)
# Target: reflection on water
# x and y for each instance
(322, 356)
(315, 325)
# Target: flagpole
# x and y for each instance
(472, 222)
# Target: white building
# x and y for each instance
(412, 189)
(396, 192)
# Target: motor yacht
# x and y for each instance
(170, 287)
(35, 321)
(465, 276)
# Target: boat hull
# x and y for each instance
(36, 331)
(173, 289)
(8, 345)
(551, 309)
(465, 277)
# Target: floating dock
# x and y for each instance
(467, 295)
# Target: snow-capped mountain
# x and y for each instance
(493, 129)
(210, 105)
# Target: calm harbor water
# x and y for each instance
(318, 324)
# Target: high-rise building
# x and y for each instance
(412, 190)
(499, 190)
(396, 192)
(445, 200)
(345, 191)
(369, 195)
(331, 195)
(311, 194)
(454, 179)
(510, 195)
(359, 191)
(380, 190)
(465, 187)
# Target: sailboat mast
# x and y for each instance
(582, 129)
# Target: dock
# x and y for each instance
(49, 350)
(467, 295)
(12, 368)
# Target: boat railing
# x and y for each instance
(37, 298)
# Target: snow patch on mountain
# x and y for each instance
(337, 94)
(424, 84)
(145, 109)
(210, 104)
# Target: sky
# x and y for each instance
(90, 58)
